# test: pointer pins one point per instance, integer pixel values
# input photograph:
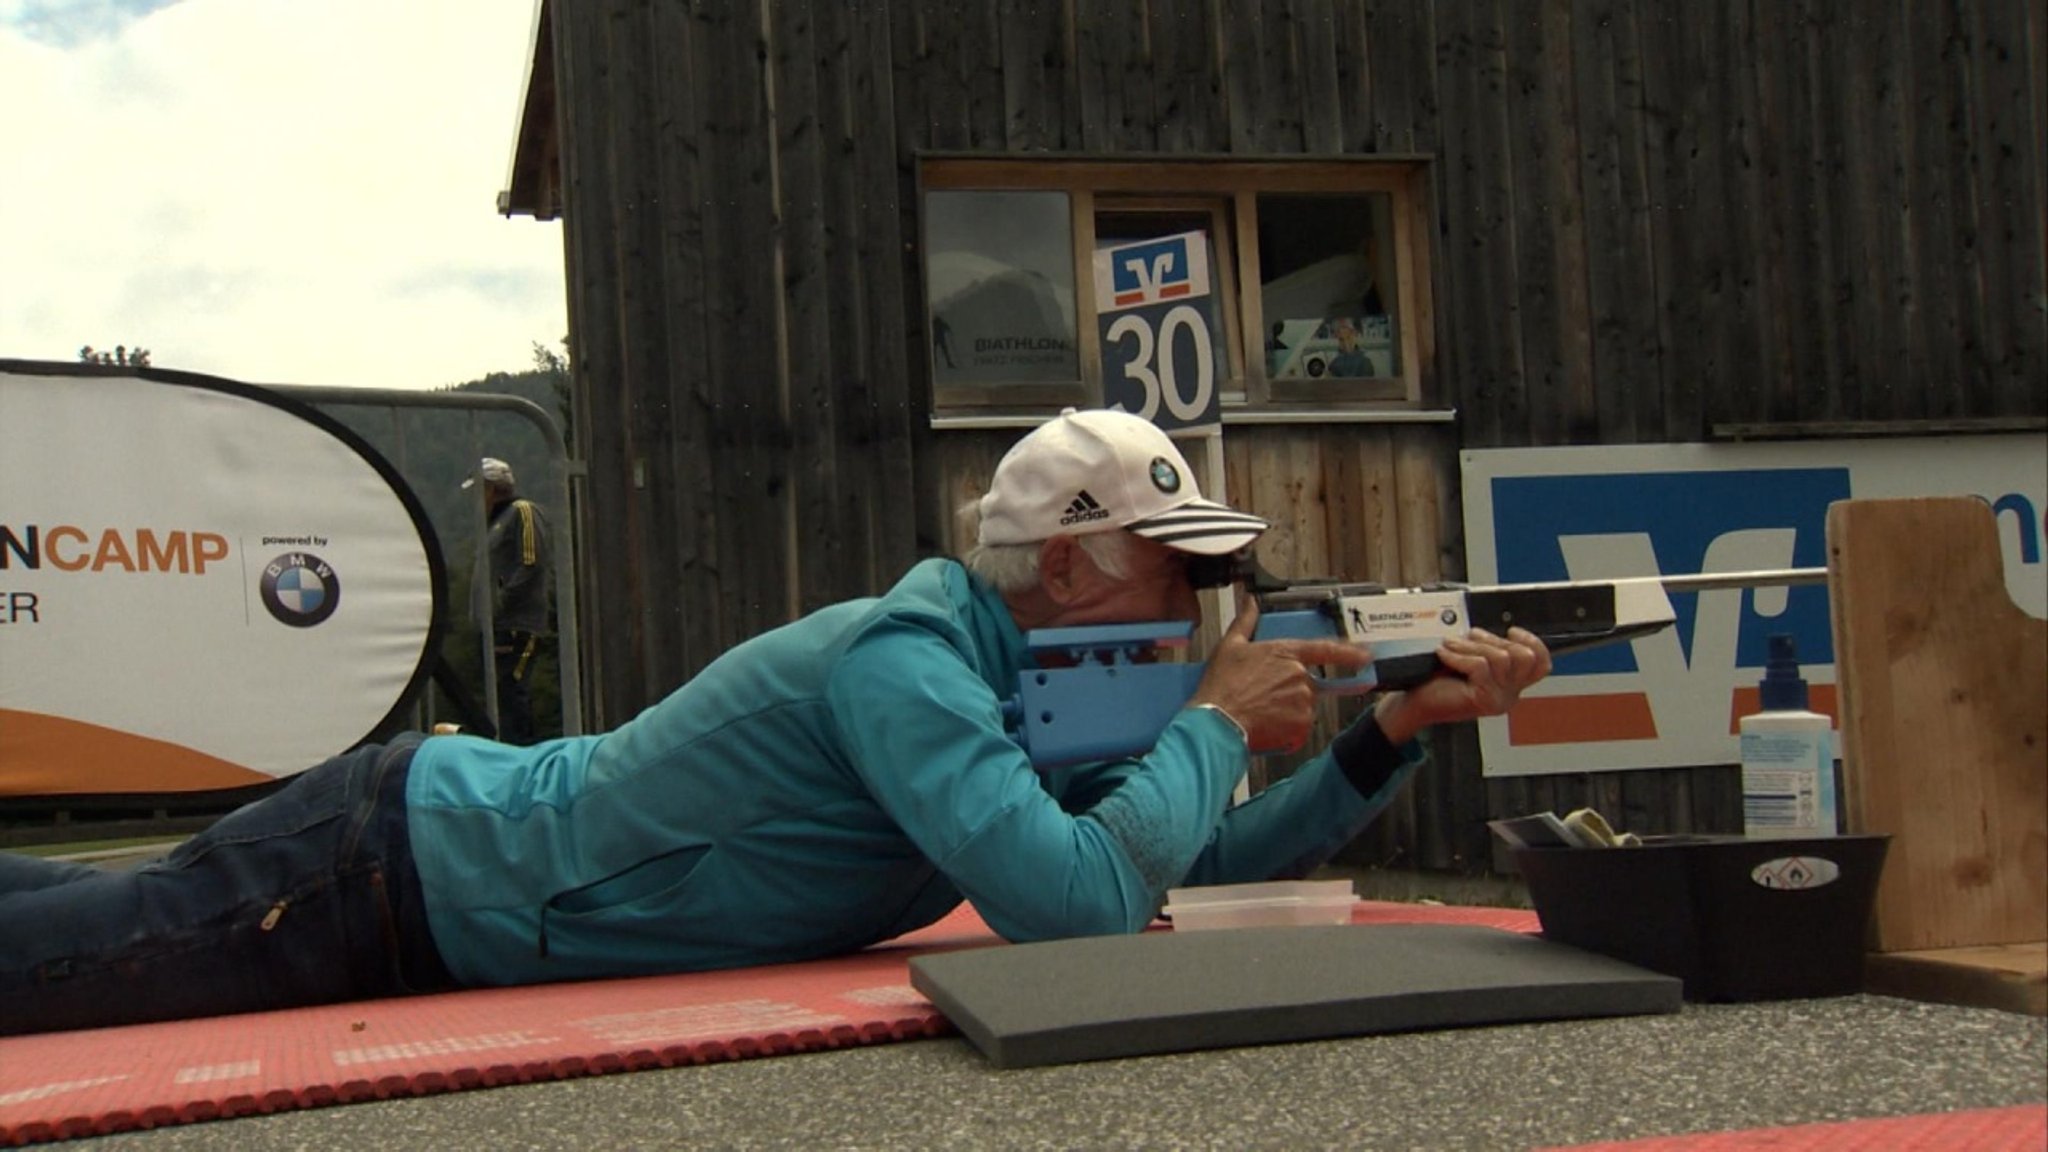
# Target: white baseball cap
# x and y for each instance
(493, 471)
(1100, 470)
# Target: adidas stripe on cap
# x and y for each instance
(1099, 470)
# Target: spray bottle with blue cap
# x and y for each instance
(1788, 761)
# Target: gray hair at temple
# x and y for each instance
(1014, 567)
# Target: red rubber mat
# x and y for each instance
(71, 1084)
(2022, 1128)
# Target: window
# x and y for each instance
(1321, 274)
(1332, 251)
(999, 281)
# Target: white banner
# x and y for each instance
(1673, 699)
(202, 585)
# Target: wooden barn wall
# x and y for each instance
(1652, 221)
(744, 405)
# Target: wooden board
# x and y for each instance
(2011, 977)
(1943, 684)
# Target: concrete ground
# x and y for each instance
(1707, 1068)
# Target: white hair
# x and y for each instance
(1014, 567)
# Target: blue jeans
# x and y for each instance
(307, 896)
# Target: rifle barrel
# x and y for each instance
(1705, 581)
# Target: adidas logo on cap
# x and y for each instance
(1083, 509)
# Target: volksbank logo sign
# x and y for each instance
(1674, 698)
(1149, 273)
(1679, 523)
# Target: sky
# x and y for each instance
(273, 191)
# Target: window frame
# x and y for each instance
(1095, 185)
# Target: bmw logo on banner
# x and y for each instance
(300, 590)
(204, 585)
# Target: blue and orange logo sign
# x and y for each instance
(1150, 273)
(1686, 522)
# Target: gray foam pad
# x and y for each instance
(1103, 997)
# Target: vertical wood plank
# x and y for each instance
(1728, 50)
(1401, 67)
(1356, 130)
(912, 75)
(1549, 225)
(1483, 363)
(1934, 153)
(817, 477)
(1419, 510)
(1185, 85)
(1364, 514)
(1322, 116)
(1943, 684)
(1621, 283)
(754, 521)
(1243, 32)
(939, 68)
(678, 474)
(1684, 150)
(1280, 128)
(980, 60)
(2009, 102)
(889, 394)
(1716, 793)
(642, 353)
(1881, 59)
(1096, 46)
(1035, 73)
(860, 482)
(1860, 81)
(1794, 355)
(578, 32)
(1825, 398)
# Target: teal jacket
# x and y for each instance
(836, 782)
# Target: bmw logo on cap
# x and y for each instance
(300, 589)
(1165, 476)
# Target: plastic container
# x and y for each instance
(1736, 919)
(1788, 757)
(1276, 903)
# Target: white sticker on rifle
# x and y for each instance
(1403, 615)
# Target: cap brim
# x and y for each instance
(1203, 527)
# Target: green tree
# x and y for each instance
(554, 366)
(122, 356)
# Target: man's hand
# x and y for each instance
(1483, 675)
(1265, 685)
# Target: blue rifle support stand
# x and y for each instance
(1110, 696)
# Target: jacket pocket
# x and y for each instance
(649, 879)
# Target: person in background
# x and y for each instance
(517, 546)
(825, 786)
(1351, 358)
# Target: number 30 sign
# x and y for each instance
(1154, 306)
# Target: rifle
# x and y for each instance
(1111, 695)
